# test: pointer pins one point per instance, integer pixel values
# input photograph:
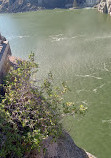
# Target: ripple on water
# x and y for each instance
(60, 37)
(89, 76)
(17, 37)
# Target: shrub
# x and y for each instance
(30, 113)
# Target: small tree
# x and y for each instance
(30, 113)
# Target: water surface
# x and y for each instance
(76, 46)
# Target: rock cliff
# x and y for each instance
(91, 3)
(105, 6)
(28, 5)
(64, 147)
(4, 53)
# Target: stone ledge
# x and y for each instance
(5, 51)
(90, 155)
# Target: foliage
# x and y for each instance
(30, 113)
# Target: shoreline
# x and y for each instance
(15, 7)
(45, 9)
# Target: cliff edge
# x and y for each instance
(64, 147)
(32, 5)
(5, 51)
(105, 6)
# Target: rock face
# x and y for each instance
(27, 5)
(4, 53)
(4, 5)
(105, 6)
(64, 147)
(109, 6)
(102, 7)
(91, 3)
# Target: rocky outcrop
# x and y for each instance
(91, 3)
(28, 5)
(64, 147)
(4, 53)
(102, 7)
(90, 155)
(4, 5)
(105, 6)
(109, 6)
(22, 5)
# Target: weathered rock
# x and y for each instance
(109, 6)
(102, 7)
(64, 147)
(91, 3)
(27, 5)
(90, 155)
(4, 5)
(105, 6)
(4, 53)
(14, 61)
(2, 38)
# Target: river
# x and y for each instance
(75, 45)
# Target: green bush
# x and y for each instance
(30, 113)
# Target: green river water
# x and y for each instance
(76, 46)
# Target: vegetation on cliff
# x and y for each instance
(31, 112)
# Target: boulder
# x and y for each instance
(4, 5)
(102, 7)
(2, 38)
(5, 51)
(109, 6)
(28, 5)
(92, 3)
(64, 147)
(105, 6)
